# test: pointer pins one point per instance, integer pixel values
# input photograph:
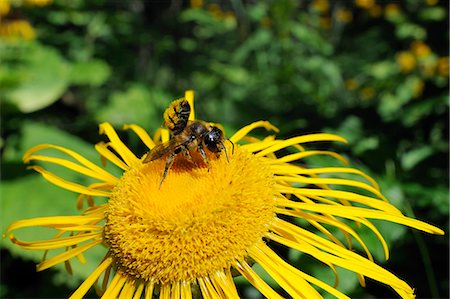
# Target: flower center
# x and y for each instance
(199, 221)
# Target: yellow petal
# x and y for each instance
(52, 178)
(102, 149)
(347, 211)
(142, 134)
(305, 154)
(75, 167)
(117, 144)
(245, 130)
(55, 243)
(300, 140)
(98, 170)
(256, 281)
(189, 96)
(366, 200)
(88, 282)
(66, 255)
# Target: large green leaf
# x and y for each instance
(42, 76)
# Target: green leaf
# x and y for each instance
(93, 72)
(412, 158)
(43, 77)
(436, 13)
(138, 104)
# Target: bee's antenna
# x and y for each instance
(225, 149)
(232, 149)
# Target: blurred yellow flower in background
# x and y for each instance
(420, 49)
(366, 4)
(17, 29)
(443, 66)
(40, 3)
(344, 15)
(5, 7)
(406, 61)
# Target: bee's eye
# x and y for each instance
(212, 139)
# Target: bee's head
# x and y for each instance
(213, 140)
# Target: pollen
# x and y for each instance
(201, 220)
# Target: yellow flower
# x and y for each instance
(375, 11)
(207, 220)
(366, 4)
(5, 7)
(351, 84)
(196, 3)
(367, 92)
(431, 2)
(17, 29)
(442, 66)
(344, 15)
(392, 10)
(420, 49)
(418, 87)
(40, 3)
(322, 6)
(406, 61)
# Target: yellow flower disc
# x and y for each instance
(200, 221)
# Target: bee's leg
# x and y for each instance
(169, 162)
(187, 155)
(203, 154)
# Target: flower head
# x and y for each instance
(208, 218)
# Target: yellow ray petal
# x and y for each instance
(338, 194)
(139, 289)
(175, 292)
(283, 273)
(300, 140)
(117, 144)
(58, 222)
(164, 292)
(88, 282)
(330, 221)
(149, 290)
(142, 134)
(275, 258)
(207, 290)
(128, 289)
(221, 281)
(189, 96)
(55, 243)
(165, 135)
(293, 169)
(115, 286)
(54, 179)
(101, 172)
(245, 130)
(102, 149)
(330, 181)
(66, 255)
(75, 167)
(186, 292)
(352, 262)
(256, 281)
(346, 211)
(305, 154)
(255, 147)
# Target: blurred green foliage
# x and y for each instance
(375, 72)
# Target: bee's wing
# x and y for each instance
(160, 150)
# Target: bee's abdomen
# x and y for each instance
(177, 116)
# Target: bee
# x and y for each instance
(187, 135)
